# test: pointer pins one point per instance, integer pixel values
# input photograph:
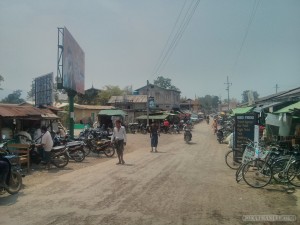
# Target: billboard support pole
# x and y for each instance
(71, 95)
(147, 103)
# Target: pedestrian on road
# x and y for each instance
(154, 133)
(215, 125)
(119, 138)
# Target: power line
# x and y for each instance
(169, 38)
(165, 55)
(179, 35)
(252, 15)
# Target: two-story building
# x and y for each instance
(163, 99)
(133, 105)
(160, 99)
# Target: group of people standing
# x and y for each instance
(119, 137)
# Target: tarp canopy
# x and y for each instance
(242, 110)
(112, 112)
(289, 109)
(153, 117)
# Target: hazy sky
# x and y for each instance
(255, 43)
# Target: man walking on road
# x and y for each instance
(119, 138)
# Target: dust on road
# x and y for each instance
(182, 184)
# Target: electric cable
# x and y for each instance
(252, 15)
(169, 38)
(166, 54)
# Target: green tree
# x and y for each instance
(14, 98)
(88, 98)
(107, 92)
(31, 92)
(245, 98)
(165, 83)
(209, 103)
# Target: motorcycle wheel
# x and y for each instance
(15, 183)
(109, 151)
(220, 140)
(187, 138)
(60, 161)
(87, 150)
(78, 155)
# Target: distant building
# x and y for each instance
(133, 105)
(190, 105)
(164, 99)
(86, 114)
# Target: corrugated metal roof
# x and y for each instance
(112, 112)
(97, 107)
(241, 110)
(128, 98)
(25, 111)
(265, 106)
(289, 108)
(77, 106)
(153, 117)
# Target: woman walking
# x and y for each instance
(154, 133)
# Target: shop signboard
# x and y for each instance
(244, 129)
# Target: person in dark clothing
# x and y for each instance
(154, 133)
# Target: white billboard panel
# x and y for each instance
(44, 90)
(73, 64)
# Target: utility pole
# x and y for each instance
(227, 89)
(276, 87)
(147, 103)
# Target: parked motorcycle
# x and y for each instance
(14, 179)
(174, 129)
(99, 146)
(58, 155)
(75, 149)
(220, 136)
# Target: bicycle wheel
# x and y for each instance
(257, 173)
(239, 174)
(279, 170)
(293, 173)
(231, 161)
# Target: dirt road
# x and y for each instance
(182, 184)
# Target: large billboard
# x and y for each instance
(73, 64)
(44, 90)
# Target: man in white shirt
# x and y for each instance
(119, 138)
(47, 144)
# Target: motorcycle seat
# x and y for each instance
(58, 148)
(74, 143)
